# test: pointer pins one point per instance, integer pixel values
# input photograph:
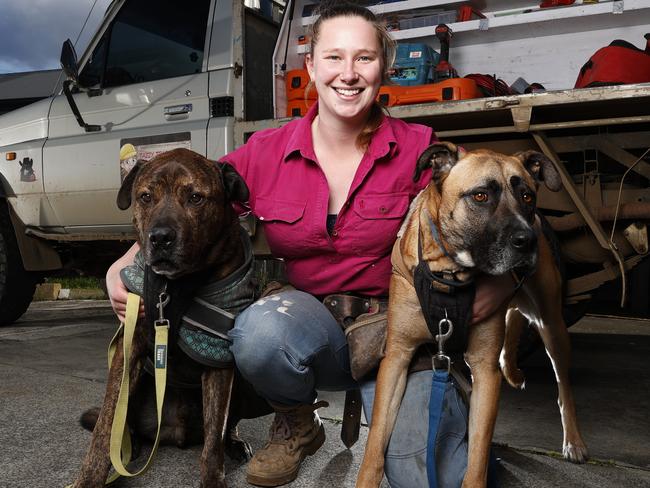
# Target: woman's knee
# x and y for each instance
(254, 341)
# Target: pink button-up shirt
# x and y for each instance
(289, 195)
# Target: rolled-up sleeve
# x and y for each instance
(239, 159)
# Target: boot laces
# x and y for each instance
(284, 423)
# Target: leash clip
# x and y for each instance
(442, 359)
(163, 300)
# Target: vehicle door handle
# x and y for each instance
(176, 112)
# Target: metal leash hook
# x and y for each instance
(163, 300)
(441, 338)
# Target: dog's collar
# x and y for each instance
(220, 286)
(436, 237)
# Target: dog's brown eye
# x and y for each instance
(527, 198)
(145, 197)
(480, 197)
(196, 198)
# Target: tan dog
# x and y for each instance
(187, 231)
(483, 205)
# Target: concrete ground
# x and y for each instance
(53, 366)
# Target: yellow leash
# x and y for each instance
(120, 443)
(120, 447)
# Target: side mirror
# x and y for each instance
(69, 65)
(69, 61)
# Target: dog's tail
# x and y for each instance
(89, 418)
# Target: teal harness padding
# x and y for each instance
(203, 329)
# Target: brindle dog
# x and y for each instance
(185, 225)
(483, 204)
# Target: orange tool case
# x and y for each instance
(443, 91)
(299, 107)
(296, 81)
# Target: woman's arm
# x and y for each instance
(117, 292)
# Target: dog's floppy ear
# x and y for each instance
(236, 188)
(124, 195)
(441, 157)
(541, 168)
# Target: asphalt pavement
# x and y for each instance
(53, 367)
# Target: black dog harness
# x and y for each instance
(443, 296)
(200, 315)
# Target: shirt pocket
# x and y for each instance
(374, 207)
(283, 224)
(377, 219)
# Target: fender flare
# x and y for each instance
(37, 254)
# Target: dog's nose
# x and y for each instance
(522, 239)
(162, 236)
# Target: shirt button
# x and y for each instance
(335, 233)
(382, 209)
(261, 218)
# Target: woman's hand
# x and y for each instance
(491, 293)
(117, 292)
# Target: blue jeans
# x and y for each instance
(288, 346)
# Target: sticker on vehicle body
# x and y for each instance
(146, 148)
(27, 170)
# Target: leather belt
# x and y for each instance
(345, 308)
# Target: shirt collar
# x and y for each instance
(300, 139)
(383, 142)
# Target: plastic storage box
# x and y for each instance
(413, 64)
(443, 17)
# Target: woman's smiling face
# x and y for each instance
(346, 67)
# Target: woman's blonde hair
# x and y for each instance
(331, 10)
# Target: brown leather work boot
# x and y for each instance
(296, 432)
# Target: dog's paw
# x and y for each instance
(217, 483)
(515, 377)
(89, 418)
(238, 450)
(575, 452)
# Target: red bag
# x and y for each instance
(617, 64)
(555, 3)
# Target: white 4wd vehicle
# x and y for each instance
(156, 75)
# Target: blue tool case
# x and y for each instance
(413, 64)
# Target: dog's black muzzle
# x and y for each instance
(523, 240)
(522, 245)
(162, 238)
(163, 250)
(506, 247)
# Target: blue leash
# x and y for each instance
(438, 387)
(436, 400)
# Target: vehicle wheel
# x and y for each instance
(16, 285)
